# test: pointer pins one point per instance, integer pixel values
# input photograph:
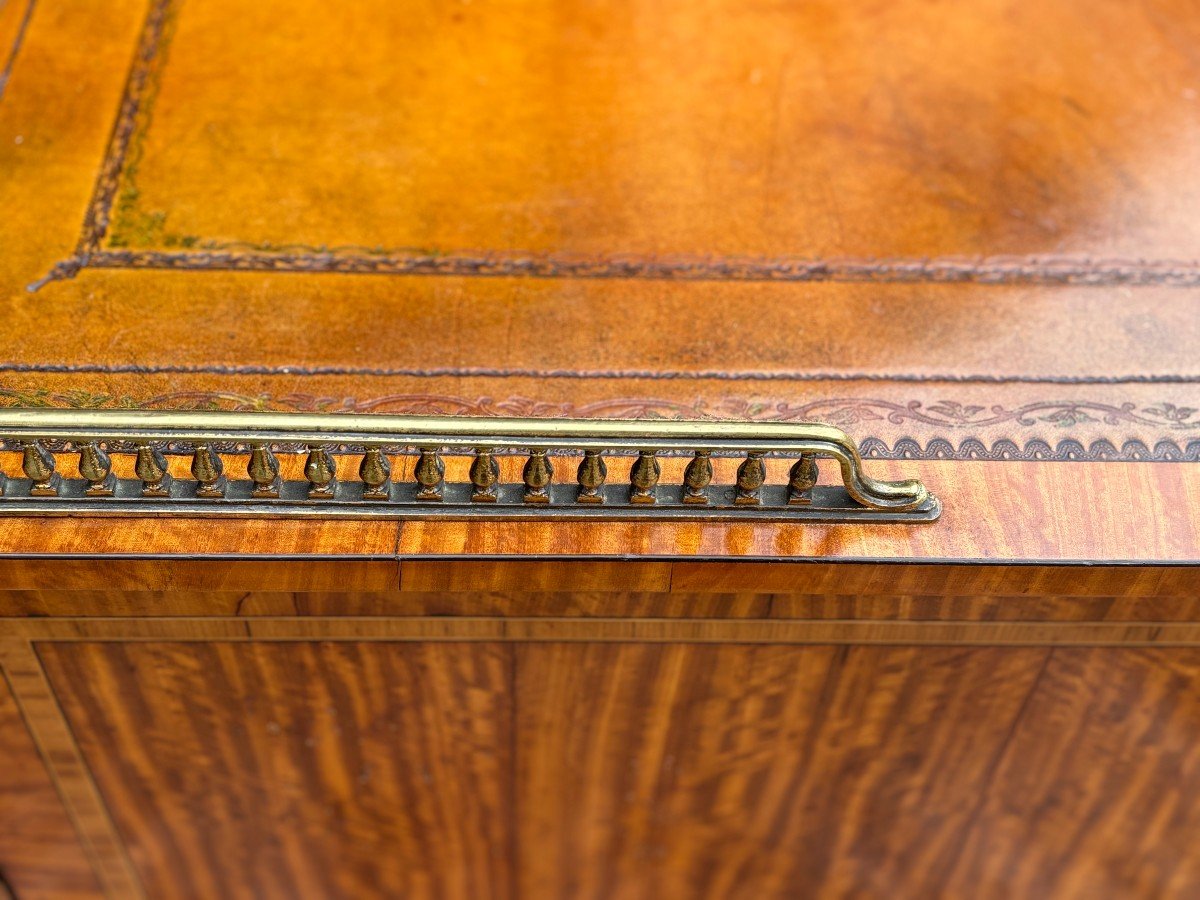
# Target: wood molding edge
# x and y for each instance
(588, 629)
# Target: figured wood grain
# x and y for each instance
(857, 595)
(991, 511)
(996, 512)
(760, 772)
(805, 576)
(474, 575)
(417, 629)
(683, 604)
(95, 536)
(1096, 792)
(640, 769)
(40, 855)
(756, 772)
(59, 750)
(393, 603)
(941, 580)
(137, 603)
(300, 770)
(171, 573)
(173, 586)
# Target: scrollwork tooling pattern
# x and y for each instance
(842, 412)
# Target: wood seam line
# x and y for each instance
(68, 771)
(652, 630)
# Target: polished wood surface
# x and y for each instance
(307, 770)
(213, 574)
(1049, 513)
(1110, 793)
(877, 599)
(638, 770)
(40, 855)
(754, 772)
(44, 727)
(1011, 632)
(671, 743)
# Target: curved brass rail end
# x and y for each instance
(221, 444)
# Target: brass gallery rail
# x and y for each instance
(46, 436)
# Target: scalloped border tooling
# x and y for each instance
(842, 412)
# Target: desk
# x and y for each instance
(966, 234)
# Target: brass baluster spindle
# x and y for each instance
(750, 477)
(38, 464)
(151, 469)
(321, 472)
(537, 474)
(592, 474)
(644, 477)
(73, 463)
(802, 479)
(697, 477)
(484, 474)
(96, 467)
(263, 469)
(430, 473)
(209, 471)
(375, 472)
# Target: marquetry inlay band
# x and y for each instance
(545, 489)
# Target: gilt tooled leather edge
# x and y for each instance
(587, 374)
(856, 413)
(512, 264)
(141, 85)
(10, 59)
(115, 186)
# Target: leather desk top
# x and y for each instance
(962, 232)
(965, 232)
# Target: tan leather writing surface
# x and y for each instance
(959, 232)
(705, 129)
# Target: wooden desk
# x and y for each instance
(964, 233)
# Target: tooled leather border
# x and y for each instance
(856, 414)
(587, 374)
(133, 119)
(10, 59)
